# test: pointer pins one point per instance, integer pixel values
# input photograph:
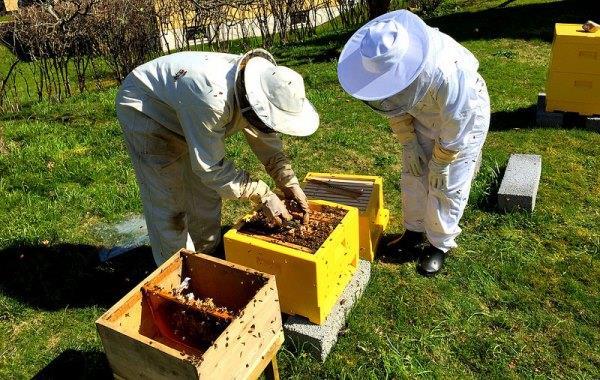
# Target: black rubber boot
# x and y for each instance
(407, 246)
(431, 261)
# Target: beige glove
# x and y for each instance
(274, 209)
(439, 166)
(295, 192)
(280, 170)
(402, 126)
(259, 193)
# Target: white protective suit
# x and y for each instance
(176, 112)
(448, 103)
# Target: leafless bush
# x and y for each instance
(125, 33)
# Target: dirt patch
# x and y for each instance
(311, 236)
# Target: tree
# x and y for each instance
(377, 7)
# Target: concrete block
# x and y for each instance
(520, 183)
(593, 123)
(318, 340)
(547, 119)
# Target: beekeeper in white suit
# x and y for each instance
(176, 112)
(438, 107)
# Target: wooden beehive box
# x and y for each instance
(136, 348)
(368, 199)
(573, 83)
(309, 283)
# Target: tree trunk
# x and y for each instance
(377, 7)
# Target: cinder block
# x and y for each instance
(593, 123)
(519, 186)
(547, 119)
(318, 340)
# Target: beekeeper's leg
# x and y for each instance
(415, 189)
(203, 207)
(158, 158)
(445, 208)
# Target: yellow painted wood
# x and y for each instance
(308, 284)
(573, 83)
(373, 220)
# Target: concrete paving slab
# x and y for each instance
(318, 340)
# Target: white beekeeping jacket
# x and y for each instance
(443, 97)
(192, 94)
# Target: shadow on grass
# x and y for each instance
(519, 118)
(72, 364)
(323, 48)
(527, 22)
(390, 254)
(57, 276)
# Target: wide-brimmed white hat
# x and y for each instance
(276, 95)
(384, 56)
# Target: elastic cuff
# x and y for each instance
(403, 129)
(443, 155)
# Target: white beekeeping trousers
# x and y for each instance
(180, 211)
(437, 213)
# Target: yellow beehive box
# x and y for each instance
(573, 83)
(308, 283)
(373, 217)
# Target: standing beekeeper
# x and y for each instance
(438, 107)
(176, 112)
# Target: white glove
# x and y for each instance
(415, 157)
(438, 174)
(294, 191)
(274, 209)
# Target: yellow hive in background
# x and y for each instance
(309, 284)
(574, 78)
(373, 217)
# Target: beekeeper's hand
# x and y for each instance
(438, 175)
(439, 167)
(274, 209)
(294, 191)
(414, 157)
(403, 129)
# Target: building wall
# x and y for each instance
(173, 38)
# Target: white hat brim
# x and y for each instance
(301, 123)
(365, 85)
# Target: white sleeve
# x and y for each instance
(455, 110)
(204, 131)
(264, 145)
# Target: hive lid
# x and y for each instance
(363, 190)
(574, 32)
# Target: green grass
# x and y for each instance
(518, 298)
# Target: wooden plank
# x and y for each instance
(210, 274)
(272, 370)
(247, 339)
(133, 355)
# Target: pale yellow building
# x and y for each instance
(180, 28)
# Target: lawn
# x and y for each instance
(519, 298)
